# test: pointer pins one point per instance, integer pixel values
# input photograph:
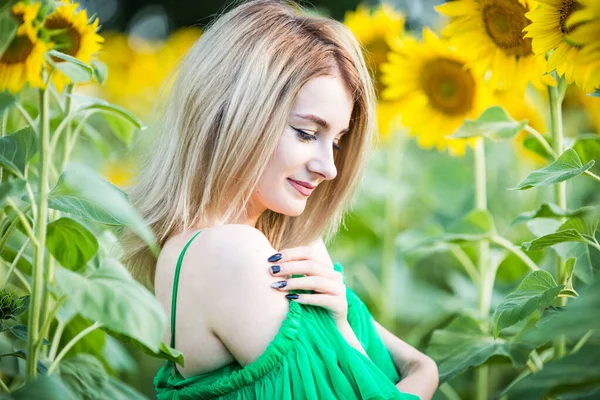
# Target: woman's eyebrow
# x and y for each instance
(319, 121)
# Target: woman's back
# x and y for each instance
(286, 352)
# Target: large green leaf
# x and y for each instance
(17, 149)
(44, 387)
(81, 192)
(462, 345)
(547, 210)
(110, 295)
(85, 376)
(76, 70)
(574, 320)
(12, 187)
(587, 147)
(165, 352)
(536, 291)
(567, 166)
(116, 389)
(581, 252)
(575, 374)
(494, 123)
(575, 229)
(70, 243)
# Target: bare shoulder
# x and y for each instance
(245, 312)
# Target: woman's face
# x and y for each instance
(322, 111)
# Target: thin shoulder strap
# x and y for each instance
(175, 283)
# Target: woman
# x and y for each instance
(268, 127)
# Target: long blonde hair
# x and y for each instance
(223, 118)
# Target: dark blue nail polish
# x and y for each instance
(275, 257)
(292, 296)
(275, 269)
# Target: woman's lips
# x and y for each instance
(304, 190)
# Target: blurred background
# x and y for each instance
(417, 184)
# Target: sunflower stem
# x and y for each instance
(38, 284)
(72, 343)
(392, 216)
(486, 274)
(560, 190)
(541, 140)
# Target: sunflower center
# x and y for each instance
(565, 10)
(17, 51)
(69, 41)
(449, 87)
(504, 21)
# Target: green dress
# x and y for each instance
(307, 359)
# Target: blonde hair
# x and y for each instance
(223, 118)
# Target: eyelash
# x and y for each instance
(307, 136)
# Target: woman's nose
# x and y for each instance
(323, 164)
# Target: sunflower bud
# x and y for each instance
(11, 305)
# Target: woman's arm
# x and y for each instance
(419, 372)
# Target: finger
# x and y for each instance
(305, 267)
(316, 283)
(294, 254)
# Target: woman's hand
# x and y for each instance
(319, 277)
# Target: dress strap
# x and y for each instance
(175, 283)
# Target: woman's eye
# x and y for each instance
(304, 136)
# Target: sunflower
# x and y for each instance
(79, 39)
(586, 36)
(23, 59)
(491, 30)
(374, 29)
(436, 88)
(550, 29)
(138, 67)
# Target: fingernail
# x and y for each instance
(291, 296)
(275, 269)
(275, 257)
(279, 284)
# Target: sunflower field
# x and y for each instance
(473, 237)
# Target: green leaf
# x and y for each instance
(44, 387)
(74, 69)
(22, 354)
(6, 99)
(493, 123)
(547, 210)
(581, 252)
(462, 345)
(587, 147)
(165, 352)
(567, 166)
(536, 291)
(531, 143)
(573, 374)
(17, 149)
(12, 187)
(100, 71)
(110, 295)
(116, 389)
(574, 320)
(92, 343)
(84, 194)
(87, 103)
(84, 374)
(20, 331)
(569, 235)
(569, 291)
(70, 243)
(476, 225)
(8, 29)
